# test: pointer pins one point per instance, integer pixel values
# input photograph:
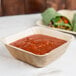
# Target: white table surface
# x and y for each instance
(9, 66)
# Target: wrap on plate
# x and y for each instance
(51, 18)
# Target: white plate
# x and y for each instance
(68, 13)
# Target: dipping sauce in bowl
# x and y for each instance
(38, 44)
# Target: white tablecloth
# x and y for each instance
(9, 66)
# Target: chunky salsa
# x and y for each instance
(38, 43)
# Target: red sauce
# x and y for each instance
(38, 44)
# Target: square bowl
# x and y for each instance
(34, 59)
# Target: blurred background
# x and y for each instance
(17, 7)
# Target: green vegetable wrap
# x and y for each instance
(51, 18)
(47, 15)
(74, 22)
